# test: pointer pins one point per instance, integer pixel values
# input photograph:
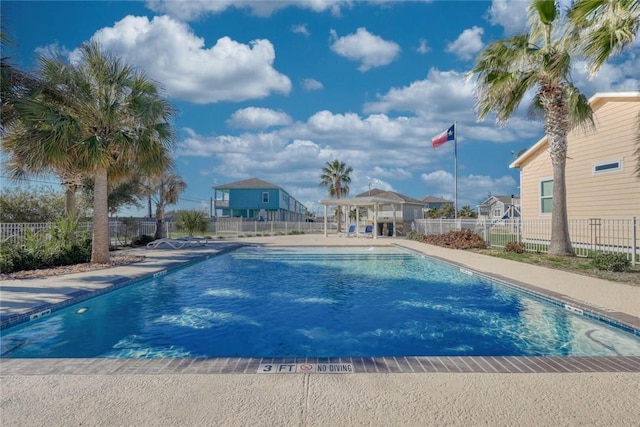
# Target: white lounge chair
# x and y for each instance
(176, 243)
(368, 231)
(350, 232)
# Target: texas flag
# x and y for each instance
(448, 135)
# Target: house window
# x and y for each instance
(546, 196)
(265, 197)
(605, 167)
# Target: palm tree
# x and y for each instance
(335, 175)
(103, 120)
(539, 61)
(604, 27)
(466, 212)
(164, 189)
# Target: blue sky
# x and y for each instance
(275, 89)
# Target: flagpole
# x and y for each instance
(455, 170)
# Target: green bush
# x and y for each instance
(611, 262)
(142, 240)
(192, 222)
(414, 235)
(515, 247)
(62, 245)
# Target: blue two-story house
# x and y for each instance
(257, 200)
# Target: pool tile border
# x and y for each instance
(361, 365)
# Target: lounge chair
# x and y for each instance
(350, 232)
(176, 243)
(368, 231)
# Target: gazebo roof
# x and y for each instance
(360, 201)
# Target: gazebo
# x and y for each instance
(372, 202)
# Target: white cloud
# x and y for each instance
(312, 84)
(169, 52)
(300, 29)
(258, 118)
(441, 94)
(510, 14)
(193, 9)
(617, 76)
(468, 43)
(423, 48)
(370, 50)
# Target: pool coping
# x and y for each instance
(404, 364)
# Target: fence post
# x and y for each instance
(634, 248)
(485, 226)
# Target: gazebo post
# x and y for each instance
(393, 207)
(325, 220)
(375, 220)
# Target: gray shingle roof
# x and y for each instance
(432, 199)
(391, 195)
(247, 183)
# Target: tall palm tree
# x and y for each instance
(335, 175)
(108, 120)
(164, 189)
(540, 62)
(604, 27)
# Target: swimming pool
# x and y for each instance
(316, 302)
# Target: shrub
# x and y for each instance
(142, 240)
(62, 245)
(192, 222)
(459, 239)
(515, 247)
(414, 235)
(611, 262)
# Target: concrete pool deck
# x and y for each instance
(598, 391)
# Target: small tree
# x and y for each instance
(467, 212)
(192, 222)
(32, 205)
(336, 176)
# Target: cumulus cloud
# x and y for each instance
(370, 50)
(258, 118)
(300, 29)
(423, 48)
(510, 14)
(312, 84)
(441, 93)
(171, 53)
(468, 43)
(193, 9)
(617, 76)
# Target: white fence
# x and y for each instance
(587, 235)
(122, 231)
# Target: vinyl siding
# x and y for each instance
(606, 195)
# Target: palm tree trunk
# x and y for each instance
(70, 201)
(560, 244)
(100, 244)
(161, 231)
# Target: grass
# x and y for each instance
(578, 265)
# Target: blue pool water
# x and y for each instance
(319, 302)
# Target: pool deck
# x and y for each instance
(378, 391)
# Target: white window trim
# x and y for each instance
(263, 193)
(540, 196)
(620, 167)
